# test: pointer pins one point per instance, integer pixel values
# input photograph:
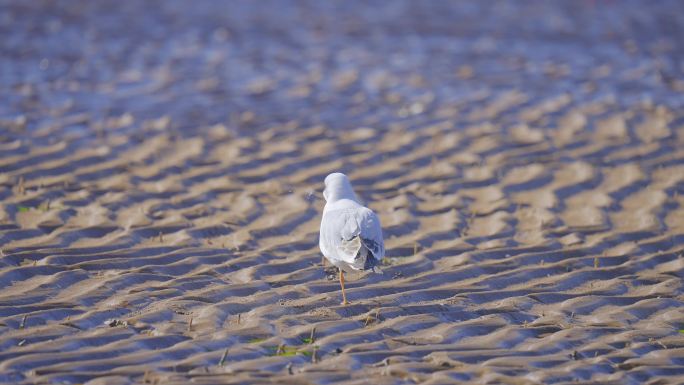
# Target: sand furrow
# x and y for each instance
(161, 192)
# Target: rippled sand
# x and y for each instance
(160, 192)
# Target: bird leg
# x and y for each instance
(344, 296)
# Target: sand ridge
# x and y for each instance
(532, 214)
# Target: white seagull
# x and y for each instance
(351, 236)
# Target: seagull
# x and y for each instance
(351, 236)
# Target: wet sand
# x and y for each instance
(160, 192)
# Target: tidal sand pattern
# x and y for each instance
(161, 165)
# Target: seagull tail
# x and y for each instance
(372, 263)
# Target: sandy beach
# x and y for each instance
(162, 163)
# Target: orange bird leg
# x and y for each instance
(344, 296)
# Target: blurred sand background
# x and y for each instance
(161, 166)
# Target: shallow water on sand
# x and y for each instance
(161, 168)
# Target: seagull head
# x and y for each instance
(337, 186)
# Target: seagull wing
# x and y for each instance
(371, 232)
(349, 234)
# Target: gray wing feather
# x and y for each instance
(371, 234)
